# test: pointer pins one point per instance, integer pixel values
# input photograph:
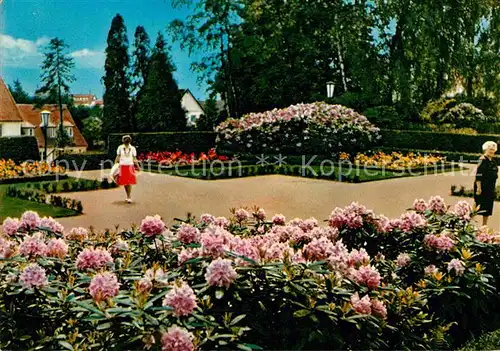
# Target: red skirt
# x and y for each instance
(127, 175)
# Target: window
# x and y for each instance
(27, 131)
(0, 130)
(193, 118)
(69, 130)
(51, 132)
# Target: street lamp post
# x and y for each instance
(45, 124)
(330, 88)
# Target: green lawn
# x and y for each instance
(353, 175)
(488, 341)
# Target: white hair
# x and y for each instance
(490, 145)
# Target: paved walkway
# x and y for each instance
(173, 197)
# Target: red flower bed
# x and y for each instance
(181, 158)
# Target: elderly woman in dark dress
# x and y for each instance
(486, 178)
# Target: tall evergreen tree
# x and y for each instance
(160, 106)
(116, 80)
(19, 94)
(208, 120)
(140, 66)
(56, 77)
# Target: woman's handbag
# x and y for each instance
(115, 173)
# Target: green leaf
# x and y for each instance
(237, 319)
(89, 307)
(66, 345)
(249, 347)
(301, 313)
(219, 294)
(157, 297)
(104, 326)
(118, 310)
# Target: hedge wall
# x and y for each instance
(436, 141)
(166, 141)
(19, 148)
(85, 161)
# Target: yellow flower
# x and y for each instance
(438, 276)
(479, 268)
(466, 254)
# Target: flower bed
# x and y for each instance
(317, 128)
(9, 169)
(251, 282)
(168, 158)
(394, 160)
(44, 198)
(460, 190)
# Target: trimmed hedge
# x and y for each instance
(50, 177)
(85, 161)
(171, 141)
(435, 140)
(450, 156)
(43, 198)
(19, 148)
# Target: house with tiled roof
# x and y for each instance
(26, 119)
(88, 100)
(194, 109)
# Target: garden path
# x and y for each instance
(173, 197)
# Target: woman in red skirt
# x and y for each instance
(126, 156)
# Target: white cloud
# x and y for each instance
(24, 53)
(89, 58)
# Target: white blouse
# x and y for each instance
(126, 154)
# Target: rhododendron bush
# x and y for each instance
(251, 281)
(317, 128)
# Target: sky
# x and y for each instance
(26, 26)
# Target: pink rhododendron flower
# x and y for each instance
(420, 205)
(462, 209)
(152, 226)
(188, 234)
(279, 219)
(318, 249)
(103, 286)
(308, 224)
(260, 214)
(144, 286)
(351, 216)
(379, 309)
(222, 222)
(57, 248)
(119, 247)
(457, 266)
(214, 241)
(93, 259)
(246, 249)
(155, 274)
(403, 260)
(339, 257)
(358, 258)
(10, 226)
(367, 275)
(277, 251)
(33, 276)
(188, 254)
(241, 215)
(33, 246)
(177, 339)
(439, 242)
(182, 299)
(363, 305)
(30, 220)
(77, 234)
(220, 273)
(51, 224)
(430, 270)
(412, 220)
(7, 248)
(383, 224)
(328, 232)
(437, 205)
(485, 235)
(207, 219)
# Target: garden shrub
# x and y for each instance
(435, 110)
(19, 148)
(86, 161)
(173, 141)
(42, 196)
(425, 140)
(465, 115)
(355, 100)
(316, 128)
(385, 117)
(426, 280)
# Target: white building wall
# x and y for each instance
(10, 128)
(193, 109)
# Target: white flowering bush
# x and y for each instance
(251, 282)
(317, 128)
